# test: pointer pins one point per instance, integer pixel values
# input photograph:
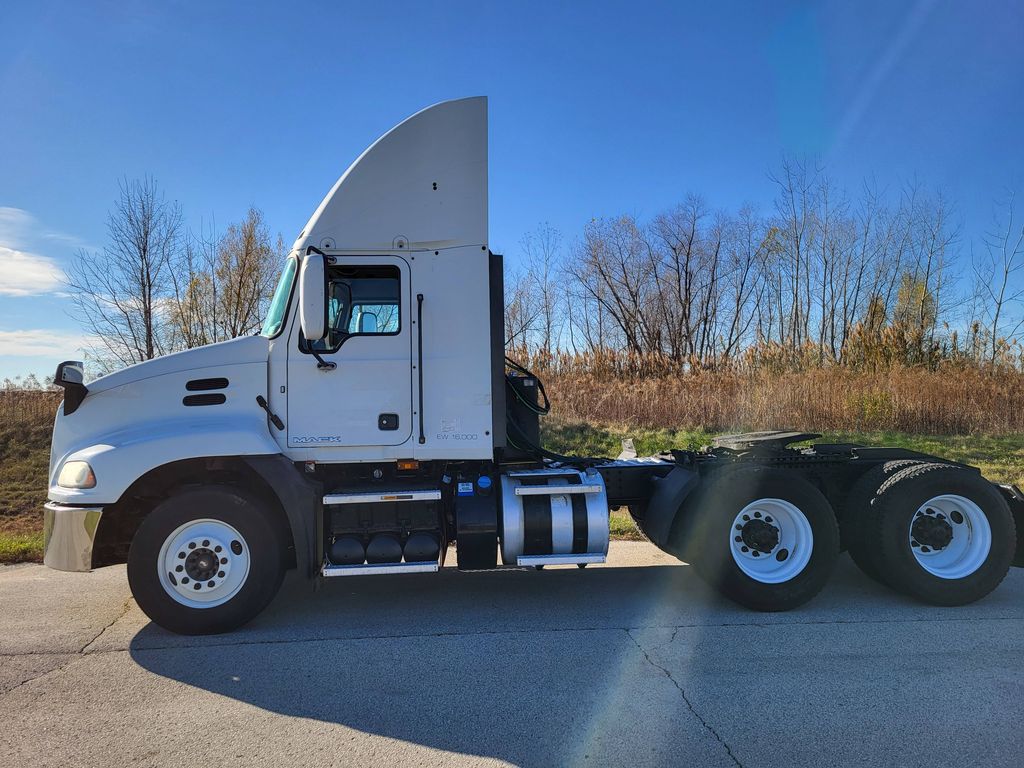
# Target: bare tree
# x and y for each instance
(521, 310)
(222, 284)
(120, 293)
(997, 279)
(195, 312)
(247, 265)
(541, 249)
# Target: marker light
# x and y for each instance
(76, 474)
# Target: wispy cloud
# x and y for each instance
(41, 343)
(26, 273)
(16, 226)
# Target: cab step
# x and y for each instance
(376, 497)
(379, 569)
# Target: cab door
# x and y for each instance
(354, 387)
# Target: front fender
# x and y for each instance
(120, 458)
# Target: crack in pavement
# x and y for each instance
(72, 655)
(120, 615)
(686, 699)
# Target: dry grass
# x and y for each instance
(953, 402)
(26, 419)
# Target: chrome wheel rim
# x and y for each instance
(771, 540)
(203, 563)
(950, 536)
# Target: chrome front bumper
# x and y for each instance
(68, 534)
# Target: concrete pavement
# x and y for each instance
(636, 663)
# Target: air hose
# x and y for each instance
(518, 438)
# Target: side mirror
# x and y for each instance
(71, 375)
(70, 372)
(313, 297)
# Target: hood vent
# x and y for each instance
(210, 399)
(204, 385)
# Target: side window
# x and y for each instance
(362, 301)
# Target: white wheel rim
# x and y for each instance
(968, 531)
(766, 556)
(206, 548)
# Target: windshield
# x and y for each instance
(279, 304)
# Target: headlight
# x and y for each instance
(76, 474)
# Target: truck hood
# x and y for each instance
(140, 418)
(245, 349)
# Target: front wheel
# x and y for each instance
(206, 560)
(766, 538)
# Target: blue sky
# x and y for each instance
(596, 109)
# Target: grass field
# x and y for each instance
(25, 445)
(24, 461)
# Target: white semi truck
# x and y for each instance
(375, 421)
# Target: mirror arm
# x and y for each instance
(321, 364)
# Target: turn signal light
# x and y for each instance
(76, 474)
(405, 465)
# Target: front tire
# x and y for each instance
(206, 560)
(765, 538)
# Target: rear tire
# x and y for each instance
(775, 513)
(206, 560)
(636, 514)
(856, 515)
(942, 534)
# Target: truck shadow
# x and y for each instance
(530, 668)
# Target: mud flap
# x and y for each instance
(1015, 499)
(300, 499)
(669, 494)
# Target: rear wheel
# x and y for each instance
(206, 560)
(941, 534)
(855, 517)
(766, 538)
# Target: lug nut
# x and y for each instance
(757, 514)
